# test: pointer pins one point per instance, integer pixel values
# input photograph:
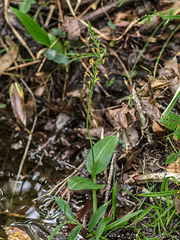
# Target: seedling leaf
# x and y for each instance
(56, 230)
(74, 233)
(65, 208)
(81, 183)
(114, 200)
(102, 224)
(97, 216)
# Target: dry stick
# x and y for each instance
(63, 182)
(65, 84)
(23, 65)
(142, 117)
(70, 8)
(60, 16)
(158, 177)
(92, 16)
(28, 143)
(6, 3)
(95, 30)
(112, 167)
(52, 7)
(92, 5)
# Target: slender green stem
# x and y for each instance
(139, 56)
(162, 50)
(172, 144)
(91, 144)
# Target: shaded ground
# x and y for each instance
(60, 144)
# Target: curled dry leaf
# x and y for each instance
(123, 116)
(174, 167)
(157, 129)
(172, 72)
(151, 110)
(17, 102)
(16, 233)
(8, 58)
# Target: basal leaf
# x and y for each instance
(65, 208)
(103, 151)
(58, 45)
(74, 233)
(50, 53)
(97, 216)
(33, 28)
(177, 132)
(81, 183)
(61, 59)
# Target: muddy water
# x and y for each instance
(31, 208)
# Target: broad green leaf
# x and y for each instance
(177, 132)
(61, 59)
(120, 222)
(97, 216)
(17, 102)
(81, 183)
(33, 28)
(65, 208)
(50, 53)
(171, 121)
(25, 5)
(102, 224)
(172, 158)
(57, 46)
(58, 32)
(114, 200)
(103, 151)
(74, 233)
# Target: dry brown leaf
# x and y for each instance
(151, 110)
(14, 233)
(172, 73)
(174, 167)
(72, 27)
(123, 116)
(157, 129)
(8, 58)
